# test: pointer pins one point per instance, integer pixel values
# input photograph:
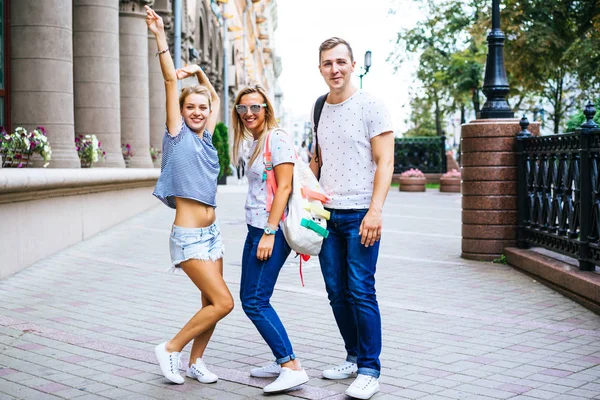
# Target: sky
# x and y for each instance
(366, 25)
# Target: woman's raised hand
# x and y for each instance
(187, 71)
(154, 21)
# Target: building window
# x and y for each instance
(4, 65)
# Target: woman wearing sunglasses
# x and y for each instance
(265, 250)
(188, 183)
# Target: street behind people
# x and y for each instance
(265, 249)
(354, 154)
(303, 152)
(188, 183)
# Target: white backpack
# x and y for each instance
(305, 225)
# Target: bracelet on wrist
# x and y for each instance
(158, 53)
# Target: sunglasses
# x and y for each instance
(254, 108)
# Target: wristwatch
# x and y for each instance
(269, 230)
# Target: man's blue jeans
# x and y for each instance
(348, 269)
(258, 281)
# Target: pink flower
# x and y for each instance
(413, 173)
(452, 174)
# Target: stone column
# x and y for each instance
(42, 73)
(96, 72)
(489, 187)
(158, 112)
(133, 61)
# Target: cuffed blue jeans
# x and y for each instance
(258, 281)
(348, 269)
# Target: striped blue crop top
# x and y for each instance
(189, 168)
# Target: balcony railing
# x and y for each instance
(559, 192)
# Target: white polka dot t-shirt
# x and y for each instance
(345, 133)
(282, 151)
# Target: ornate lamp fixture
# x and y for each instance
(495, 84)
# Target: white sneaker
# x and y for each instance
(363, 387)
(169, 363)
(199, 371)
(268, 371)
(346, 370)
(287, 380)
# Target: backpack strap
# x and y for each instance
(319, 104)
(269, 174)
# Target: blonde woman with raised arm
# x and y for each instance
(188, 183)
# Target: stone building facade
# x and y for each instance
(89, 67)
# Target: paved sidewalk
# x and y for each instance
(83, 323)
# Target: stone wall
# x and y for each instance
(43, 211)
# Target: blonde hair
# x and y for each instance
(198, 89)
(331, 43)
(241, 133)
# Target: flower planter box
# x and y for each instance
(450, 185)
(15, 160)
(408, 184)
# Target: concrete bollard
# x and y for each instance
(489, 187)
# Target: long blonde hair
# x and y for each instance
(241, 133)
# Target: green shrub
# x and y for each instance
(578, 119)
(221, 143)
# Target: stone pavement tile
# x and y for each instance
(508, 387)
(435, 397)
(458, 394)
(501, 378)
(146, 389)
(582, 393)
(71, 393)
(429, 388)
(462, 378)
(542, 394)
(570, 397)
(483, 391)
(248, 391)
(381, 396)
(593, 386)
(514, 388)
(116, 393)
(90, 396)
(556, 387)
(409, 394)
(22, 392)
(420, 377)
(112, 380)
(17, 377)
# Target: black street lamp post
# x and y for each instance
(366, 67)
(495, 84)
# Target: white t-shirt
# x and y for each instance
(282, 151)
(344, 133)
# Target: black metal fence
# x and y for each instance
(559, 191)
(425, 153)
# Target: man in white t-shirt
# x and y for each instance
(354, 149)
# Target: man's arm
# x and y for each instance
(382, 148)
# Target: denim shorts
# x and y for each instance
(195, 243)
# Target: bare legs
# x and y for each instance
(217, 302)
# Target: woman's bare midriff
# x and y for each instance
(193, 214)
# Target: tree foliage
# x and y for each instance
(552, 54)
(579, 118)
(221, 143)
